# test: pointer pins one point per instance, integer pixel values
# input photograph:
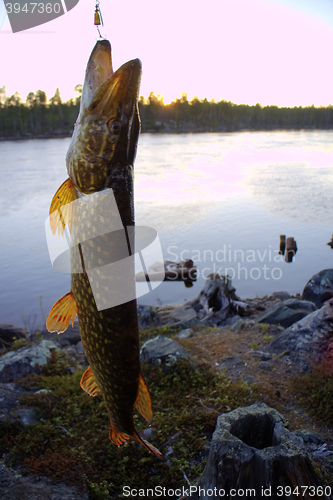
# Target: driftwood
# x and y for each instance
(216, 296)
(170, 271)
(216, 300)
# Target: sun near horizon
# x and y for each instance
(272, 52)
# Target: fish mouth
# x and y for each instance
(108, 124)
(99, 68)
(118, 93)
(105, 90)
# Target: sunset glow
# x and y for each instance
(244, 51)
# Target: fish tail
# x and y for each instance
(147, 445)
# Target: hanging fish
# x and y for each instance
(101, 156)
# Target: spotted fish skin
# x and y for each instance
(101, 156)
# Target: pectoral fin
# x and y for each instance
(61, 314)
(88, 383)
(143, 401)
(61, 209)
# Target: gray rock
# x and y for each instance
(25, 361)
(27, 416)
(71, 369)
(319, 288)
(251, 449)
(232, 320)
(185, 334)
(13, 486)
(10, 408)
(71, 351)
(183, 315)
(148, 317)
(280, 295)
(287, 312)
(9, 396)
(305, 340)
(82, 360)
(10, 333)
(161, 349)
(265, 365)
(309, 437)
(265, 356)
(79, 347)
(241, 323)
(230, 362)
(71, 336)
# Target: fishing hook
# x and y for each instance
(98, 18)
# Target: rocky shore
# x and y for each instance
(257, 341)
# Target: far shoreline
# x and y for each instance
(181, 130)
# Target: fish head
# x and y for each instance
(108, 125)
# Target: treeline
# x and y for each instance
(203, 115)
(39, 117)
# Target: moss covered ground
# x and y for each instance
(316, 393)
(70, 440)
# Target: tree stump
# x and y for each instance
(253, 455)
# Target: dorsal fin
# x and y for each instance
(88, 383)
(143, 401)
(61, 209)
(61, 314)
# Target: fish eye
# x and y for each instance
(114, 127)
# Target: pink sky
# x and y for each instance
(246, 51)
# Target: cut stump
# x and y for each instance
(252, 454)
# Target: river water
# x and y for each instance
(221, 199)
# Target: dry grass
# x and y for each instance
(239, 353)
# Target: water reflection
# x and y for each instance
(297, 163)
(330, 243)
(203, 193)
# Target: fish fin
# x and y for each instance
(88, 383)
(143, 401)
(61, 209)
(61, 314)
(147, 445)
(118, 438)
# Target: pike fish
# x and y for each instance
(101, 156)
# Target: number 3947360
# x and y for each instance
(33, 8)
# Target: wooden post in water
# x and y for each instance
(291, 249)
(282, 244)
